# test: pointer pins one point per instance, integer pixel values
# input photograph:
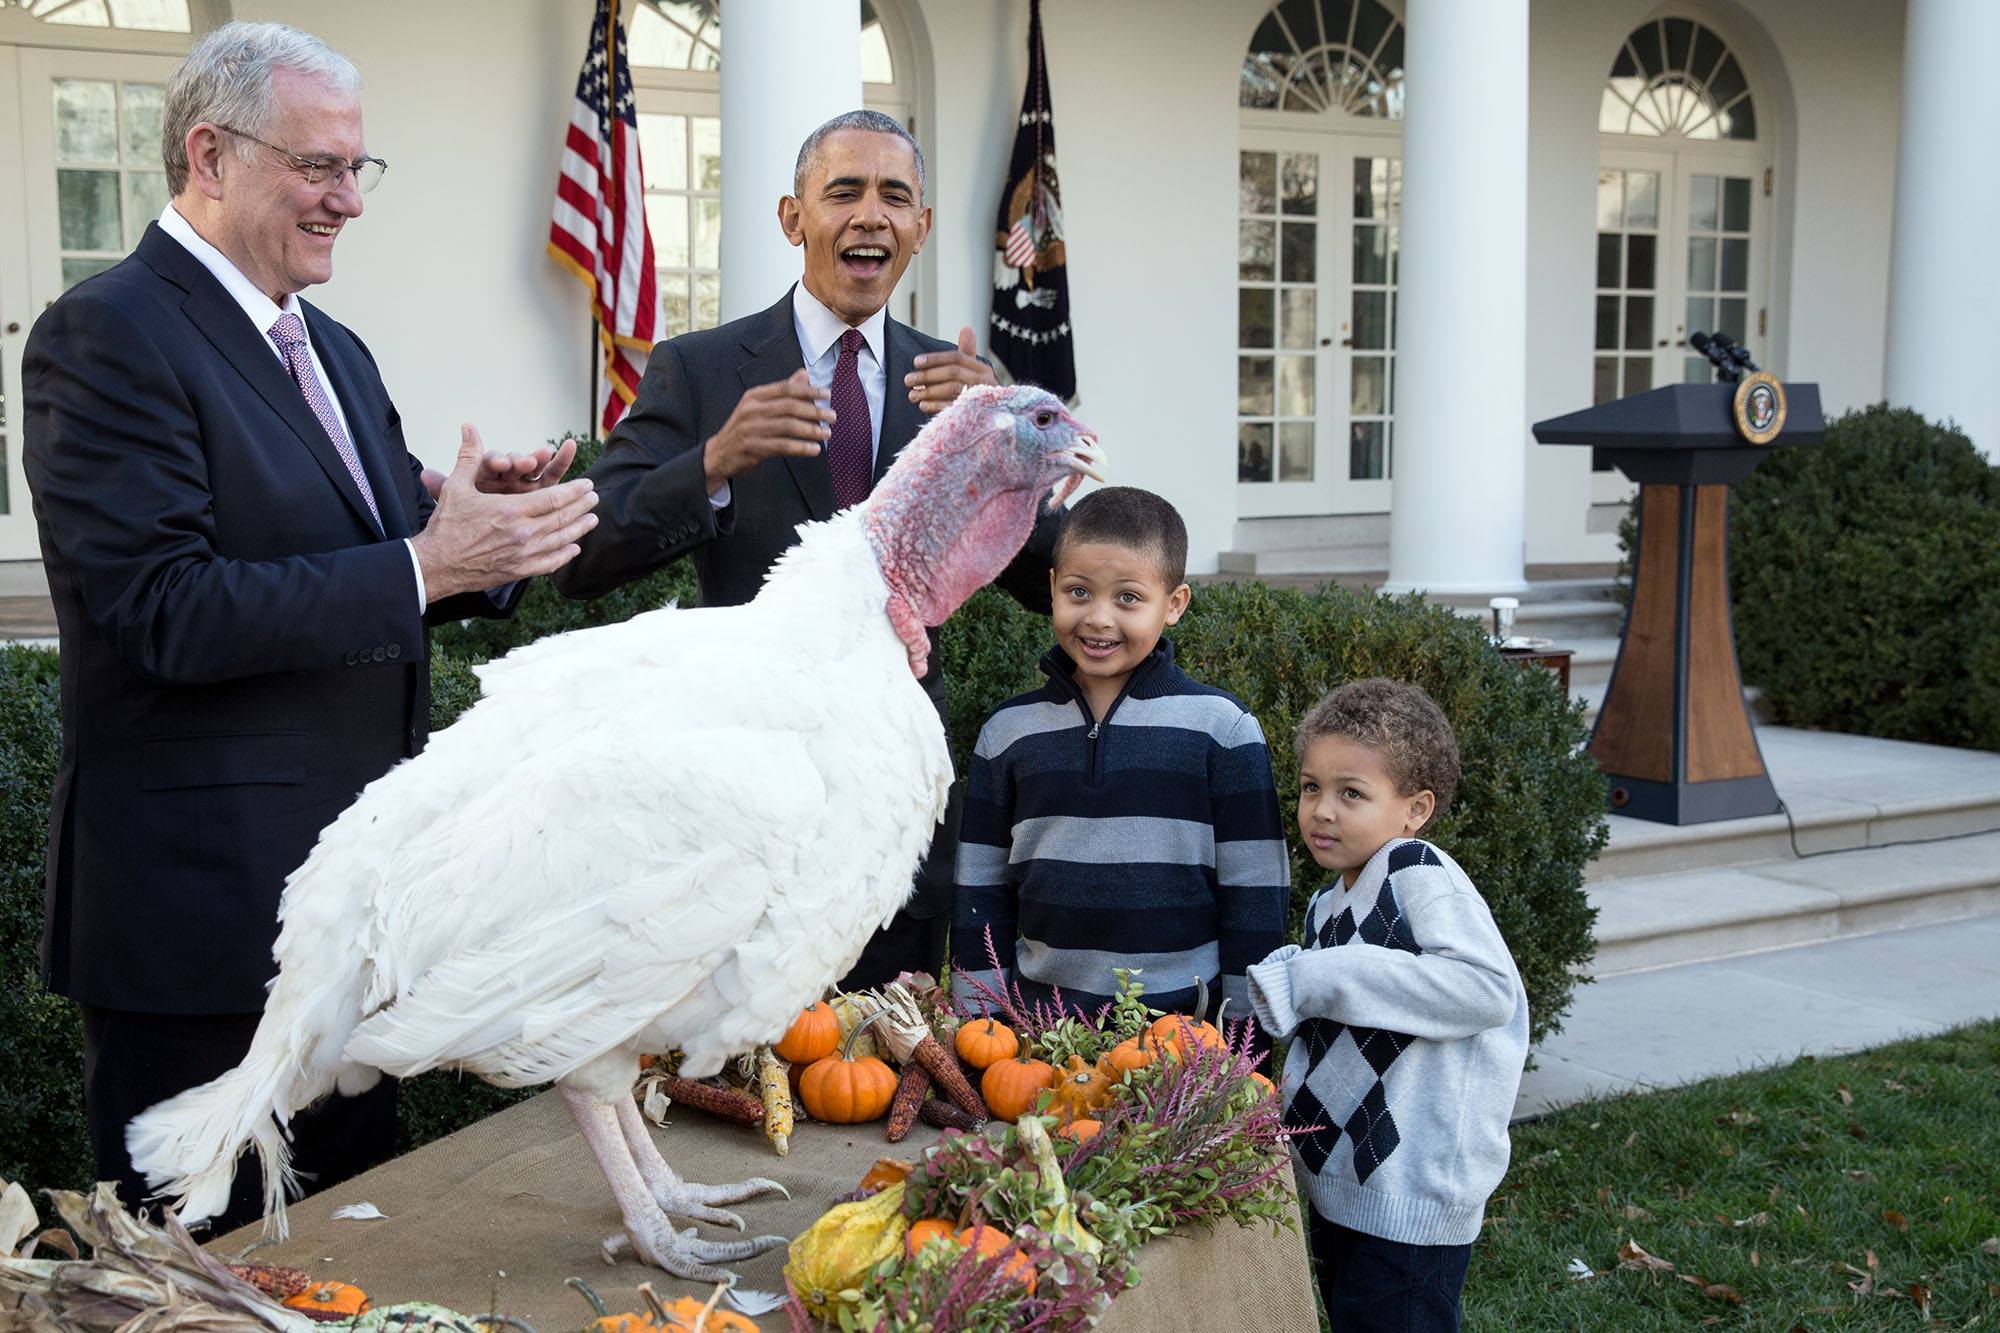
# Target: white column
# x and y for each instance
(1459, 492)
(1944, 267)
(788, 67)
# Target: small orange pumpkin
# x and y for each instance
(682, 1316)
(841, 1090)
(325, 1301)
(925, 1230)
(1081, 1129)
(886, 1172)
(1130, 1054)
(1079, 1090)
(814, 1035)
(1270, 1088)
(1011, 1087)
(988, 1241)
(983, 1041)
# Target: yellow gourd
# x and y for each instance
(828, 1261)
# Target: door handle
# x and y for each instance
(13, 326)
(1347, 342)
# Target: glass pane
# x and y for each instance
(708, 232)
(152, 15)
(1295, 451)
(708, 152)
(1301, 182)
(145, 103)
(1301, 255)
(1257, 252)
(707, 300)
(86, 120)
(1607, 259)
(1610, 200)
(1254, 321)
(145, 199)
(1701, 203)
(1371, 253)
(1604, 380)
(667, 219)
(1701, 263)
(663, 151)
(1695, 370)
(1700, 314)
(1367, 458)
(1253, 386)
(1735, 265)
(1740, 121)
(1731, 316)
(1371, 319)
(1736, 203)
(1368, 386)
(674, 300)
(876, 66)
(1607, 322)
(1639, 256)
(83, 14)
(1295, 385)
(1638, 374)
(1372, 188)
(1298, 316)
(87, 210)
(76, 270)
(1253, 451)
(1638, 321)
(1642, 199)
(1257, 183)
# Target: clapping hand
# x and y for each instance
(940, 377)
(494, 525)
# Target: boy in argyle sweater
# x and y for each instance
(1408, 1022)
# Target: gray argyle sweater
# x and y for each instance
(1409, 1029)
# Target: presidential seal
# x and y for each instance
(1760, 408)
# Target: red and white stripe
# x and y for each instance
(1020, 245)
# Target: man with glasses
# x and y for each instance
(243, 557)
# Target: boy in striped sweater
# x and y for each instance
(1123, 815)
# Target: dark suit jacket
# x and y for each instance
(241, 647)
(653, 502)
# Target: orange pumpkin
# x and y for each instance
(1270, 1088)
(1011, 1087)
(925, 1230)
(990, 1241)
(982, 1042)
(1081, 1129)
(1080, 1089)
(1130, 1054)
(886, 1172)
(329, 1301)
(814, 1035)
(841, 1090)
(682, 1315)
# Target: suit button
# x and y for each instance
(380, 654)
(350, 657)
(395, 651)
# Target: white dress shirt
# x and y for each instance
(263, 312)
(819, 330)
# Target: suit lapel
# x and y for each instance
(353, 384)
(901, 418)
(774, 355)
(246, 348)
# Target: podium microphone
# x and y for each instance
(1729, 357)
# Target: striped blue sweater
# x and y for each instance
(1148, 839)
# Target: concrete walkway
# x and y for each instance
(1641, 1031)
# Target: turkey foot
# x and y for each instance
(679, 1197)
(683, 1253)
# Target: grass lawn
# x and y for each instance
(1841, 1193)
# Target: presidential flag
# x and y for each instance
(1031, 333)
(599, 228)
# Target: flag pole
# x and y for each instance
(590, 412)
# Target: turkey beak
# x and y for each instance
(1084, 458)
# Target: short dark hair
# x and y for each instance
(873, 122)
(1401, 723)
(1129, 517)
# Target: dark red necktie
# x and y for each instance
(850, 451)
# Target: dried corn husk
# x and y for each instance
(774, 1087)
(854, 1010)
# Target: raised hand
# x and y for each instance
(479, 538)
(940, 377)
(513, 474)
(787, 419)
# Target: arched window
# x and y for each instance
(687, 34)
(134, 15)
(1326, 55)
(1675, 77)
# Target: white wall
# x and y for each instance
(444, 275)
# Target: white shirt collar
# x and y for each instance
(258, 305)
(819, 328)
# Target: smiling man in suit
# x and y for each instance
(741, 433)
(243, 556)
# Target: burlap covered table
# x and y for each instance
(494, 1217)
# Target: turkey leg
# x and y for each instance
(648, 1231)
(678, 1196)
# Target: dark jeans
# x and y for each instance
(906, 944)
(1371, 1285)
(132, 1061)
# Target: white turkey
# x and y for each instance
(736, 803)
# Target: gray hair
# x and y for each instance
(226, 80)
(872, 121)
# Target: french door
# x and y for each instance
(80, 177)
(1319, 232)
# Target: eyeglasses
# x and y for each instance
(328, 171)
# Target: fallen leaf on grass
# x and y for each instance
(1872, 1262)
(1632, 1212)
(1755, 1261)
(1580, 1271)
(1921, 1294)
(1633, 1257)
(1846, 1097)
(1991, 1245)
(1859, 1175)
(1632, 1138)
(1603, 1196)
(1754, 1220)
(1856, 1130)
(1895, 1219)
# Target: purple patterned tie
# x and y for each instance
(289, 333)
(850, 451)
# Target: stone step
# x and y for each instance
(1718, 912)
(1284, 560)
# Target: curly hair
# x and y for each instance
(1400, 722)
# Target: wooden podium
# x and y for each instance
(1674, 737)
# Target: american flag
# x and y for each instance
(599, 229)
(1020, 244)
